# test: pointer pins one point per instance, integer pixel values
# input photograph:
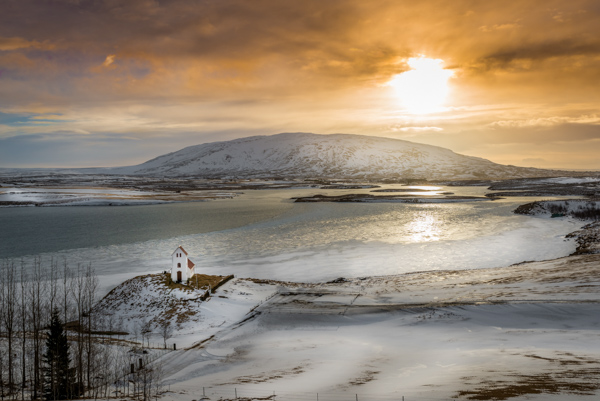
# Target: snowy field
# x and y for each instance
(526, 332)
(428, 309)
(77, 196)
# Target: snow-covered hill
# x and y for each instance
(304, 155)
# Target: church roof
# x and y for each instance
(190, 263)
(180, 247)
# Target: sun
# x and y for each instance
(424, 88)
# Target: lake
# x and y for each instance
(263, 234)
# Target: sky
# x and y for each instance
(118, 82)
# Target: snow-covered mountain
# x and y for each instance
(304, 155)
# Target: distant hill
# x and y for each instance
(305, 155)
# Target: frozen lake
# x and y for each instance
(264, 234)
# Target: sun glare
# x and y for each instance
(424, 228)
(423, 89)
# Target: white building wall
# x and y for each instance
(179, 263)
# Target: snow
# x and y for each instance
(391, 354)
(569, 207)
(424, 336)
(336, 156)
(69, 196)
(146, 298)
(569, 180)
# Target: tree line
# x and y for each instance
(48, 343)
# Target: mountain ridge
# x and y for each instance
(341, 156)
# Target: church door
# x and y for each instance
(179, 277)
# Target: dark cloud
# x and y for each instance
(184, 48)
(272, 43)
(274, 63)
(542, 51)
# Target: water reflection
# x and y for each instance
(263, 234)
(424, 187)
(424, 227)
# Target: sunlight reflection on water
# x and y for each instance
(424, 227)
(263, 234)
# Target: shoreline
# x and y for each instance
(123, 190)
(367, 198)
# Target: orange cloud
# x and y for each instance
(16, 43)
(300, 66)
(109, 60)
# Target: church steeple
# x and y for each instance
(182, 268)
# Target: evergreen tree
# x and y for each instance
(58, 377)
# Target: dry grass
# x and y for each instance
(270, 397)
(288, 284)
(161, 308)
(266, 376)
(76, 327)
(197, 282)
(365, 377)
(565, 374)
(544, 383)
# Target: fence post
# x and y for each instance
(174, 347)
(235, 393)
(356, 397)
(203, 393)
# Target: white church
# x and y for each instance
(182, 268)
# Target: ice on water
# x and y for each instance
(323, 241)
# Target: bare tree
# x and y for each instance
(91, 290)
(147, 378)
(120, 370)
(78, 293)
(166, 331)
(137, 329)
(8, 300)
(23, 311)
(3, 344)
(66, 290)
(2, 353)
(53, 276)
(108, 369)
(146, 330)
(27, 295)
(38, 316)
